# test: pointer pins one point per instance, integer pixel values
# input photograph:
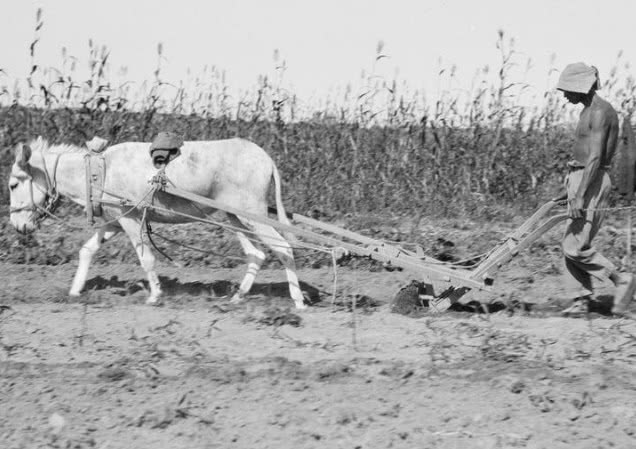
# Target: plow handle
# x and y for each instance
(522, 238)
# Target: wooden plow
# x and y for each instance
(445, 284)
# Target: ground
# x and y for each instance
(108, 371)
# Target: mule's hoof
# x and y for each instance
(237, 298)
(156, 302)
(301, 306)
(73, 294)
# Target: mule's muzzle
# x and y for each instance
(25, 229)
(24, 226)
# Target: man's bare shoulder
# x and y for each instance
(602, 113)
(602, 106)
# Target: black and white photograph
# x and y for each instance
(346, 224)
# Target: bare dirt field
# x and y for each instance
(107, 371)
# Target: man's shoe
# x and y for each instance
(579, 308)
(625, 289)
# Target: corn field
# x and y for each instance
(382, 148)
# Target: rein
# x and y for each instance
(52, 198)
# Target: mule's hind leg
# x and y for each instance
(255, 258)
(132, 228)
(86, 254)
(283, 251)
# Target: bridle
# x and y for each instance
(52, 196)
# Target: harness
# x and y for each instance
(95, 174)
(52, 196)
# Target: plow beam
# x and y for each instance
(429, 272)
(391, 250)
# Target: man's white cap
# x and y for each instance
(578, 77)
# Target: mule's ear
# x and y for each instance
(22, 155)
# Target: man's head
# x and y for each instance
(578, 81)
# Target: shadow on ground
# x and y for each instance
(216, 289)
(410, 303)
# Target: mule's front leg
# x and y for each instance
(132, 228)
(86, 254)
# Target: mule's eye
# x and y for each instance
(13, 185)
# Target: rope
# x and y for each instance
(606, 209)
(297, 245)
(226, 255)
(206, 251)
(132, 208)
(124, 214)
(335, 277)
(154, 245)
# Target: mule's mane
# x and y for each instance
(43, 146)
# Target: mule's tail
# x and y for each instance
(280, 209)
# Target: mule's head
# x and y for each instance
(28, 192)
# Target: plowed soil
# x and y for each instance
(501, 370)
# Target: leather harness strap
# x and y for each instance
(95, 174)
